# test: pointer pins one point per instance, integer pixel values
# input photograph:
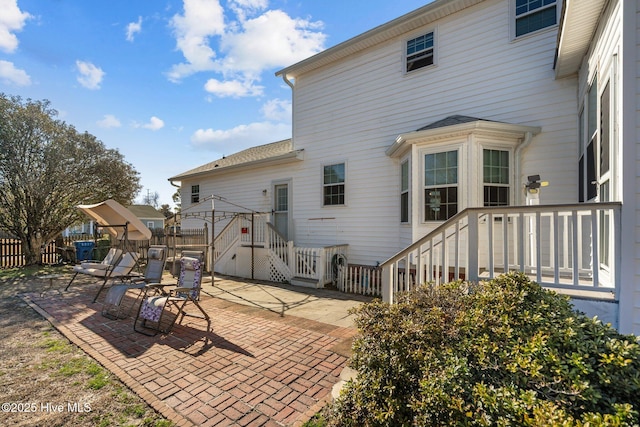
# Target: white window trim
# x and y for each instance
(404, 51)
(462, 175)
(512, 22)
(512, 173)
(322, 185)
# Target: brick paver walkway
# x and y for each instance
(254, 368)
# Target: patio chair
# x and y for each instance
(157, 301)
(156, 260)
(110, 260)
(122, 270)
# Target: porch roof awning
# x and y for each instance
(112, 217)
(455, 126)
(578, 23)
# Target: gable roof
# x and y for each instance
(145, 212)
(272, 153)
(411, 21)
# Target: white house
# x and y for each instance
(424, 145)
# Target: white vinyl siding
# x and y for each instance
(343, 113)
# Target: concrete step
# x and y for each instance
(306, 283)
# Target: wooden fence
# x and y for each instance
(63, 249)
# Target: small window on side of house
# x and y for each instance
(195, 194)
(333, 185)
(534, 15)
(404, 192)
(419, 52)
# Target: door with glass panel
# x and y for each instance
(281, 209)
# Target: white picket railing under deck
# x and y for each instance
(571, 248)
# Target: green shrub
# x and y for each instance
(504, 352)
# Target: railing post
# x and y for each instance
(387, 282)
(473, 247)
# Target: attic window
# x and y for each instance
(534, 15)
(420, 52)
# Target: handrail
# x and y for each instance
(569, 246)
(493, 210)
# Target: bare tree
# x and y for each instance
(47, 168)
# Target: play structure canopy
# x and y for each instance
(117, 220)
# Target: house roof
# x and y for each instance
(272, 153)
(414, 20)
(457, 125)
(145, 212)
(578, 23)
(450, 121)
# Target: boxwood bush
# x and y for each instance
(500, 353)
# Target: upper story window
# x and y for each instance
(420, 52)
(495, 177)
(440, 185)
(195, 193)
(534, 15)
(333, 184)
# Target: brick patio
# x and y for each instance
(254, 368)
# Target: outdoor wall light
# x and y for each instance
(264, 192)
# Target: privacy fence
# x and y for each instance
(63, 248)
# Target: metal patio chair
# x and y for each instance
(158, 302)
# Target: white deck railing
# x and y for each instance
(560, 246)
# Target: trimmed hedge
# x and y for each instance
(500, 353)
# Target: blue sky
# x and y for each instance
(173, 84)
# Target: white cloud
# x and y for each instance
(233, 88)
(90, 75)
(240, 137)
(244, 7)
(154, 124)
(201, 20)
(240, 50)
(133, 28)
(11, 19)
(273, 39)
(12, 75)
(277, 110)
(109, 121)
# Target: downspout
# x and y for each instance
(293, 122)
(528, 137)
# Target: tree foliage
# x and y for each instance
(47, 168)
(501, 353)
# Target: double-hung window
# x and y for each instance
(333, 184)
(534, 15)
(495, 177)
(195, 193)
(419, 52)
(404, 191)
(440, 185)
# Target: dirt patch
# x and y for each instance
(46, 380)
